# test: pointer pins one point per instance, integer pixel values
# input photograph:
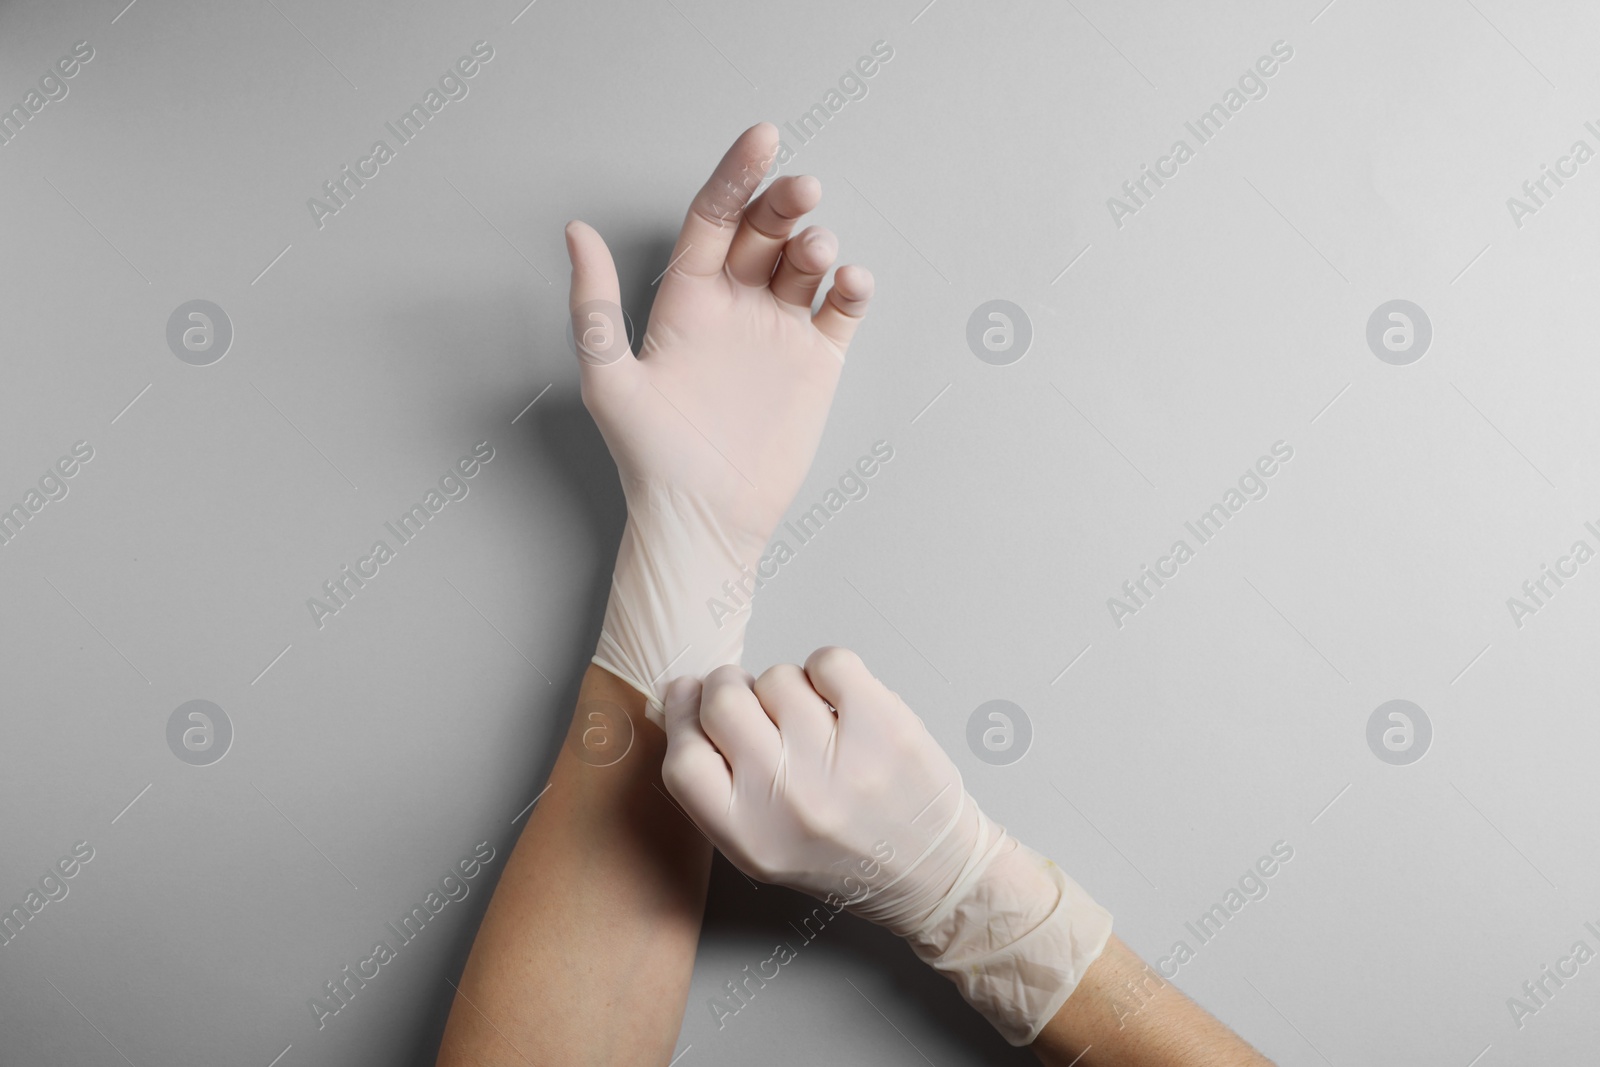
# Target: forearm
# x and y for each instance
(587, 949)
(1123, 1013)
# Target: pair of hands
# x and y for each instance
(820, 779)
(823, 780)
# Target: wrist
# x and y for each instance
(1015, 936)
(680, 597)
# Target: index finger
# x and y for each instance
(714, 215)
(865, 705)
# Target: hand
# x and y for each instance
(714, 425)
(823, 780)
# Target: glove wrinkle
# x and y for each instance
(1018, 940)
(780, 773)
(674, 560)
(845, 816)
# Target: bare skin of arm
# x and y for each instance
(1124, 1014)
(587, 949)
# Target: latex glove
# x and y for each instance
(713, 426)
(823, 780)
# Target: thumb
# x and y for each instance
(599, 327)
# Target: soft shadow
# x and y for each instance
(639, 287)
(567, 443)
(752, 919)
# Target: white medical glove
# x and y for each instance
(713, 426)
(823, 780)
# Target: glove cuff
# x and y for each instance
(677, 605)
(1015, 937)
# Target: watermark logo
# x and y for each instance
(738, 593)
(999, 332)
(199, 333)
(52, 485)
(1540, 590)
(1251, 887)
(1537, 192)
(999, 732)
(453, 487)
(52, 888)
(740, 992)
(1137, 592)
(1138, 191)
(453, 887)
(852, 86)
(606, 734)
(1399, 732)
(1399, 332)
(1539, 991)
(52, 88)
(595, 337)
(199, 733)
(454, 84)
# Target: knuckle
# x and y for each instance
(725, 706)
(776, 680)
(726, 677)
(823, 241)
(833, 660)
(720, 705)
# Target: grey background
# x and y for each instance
(1226, 315)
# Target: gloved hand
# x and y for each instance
(825, 781)
(713, 426)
